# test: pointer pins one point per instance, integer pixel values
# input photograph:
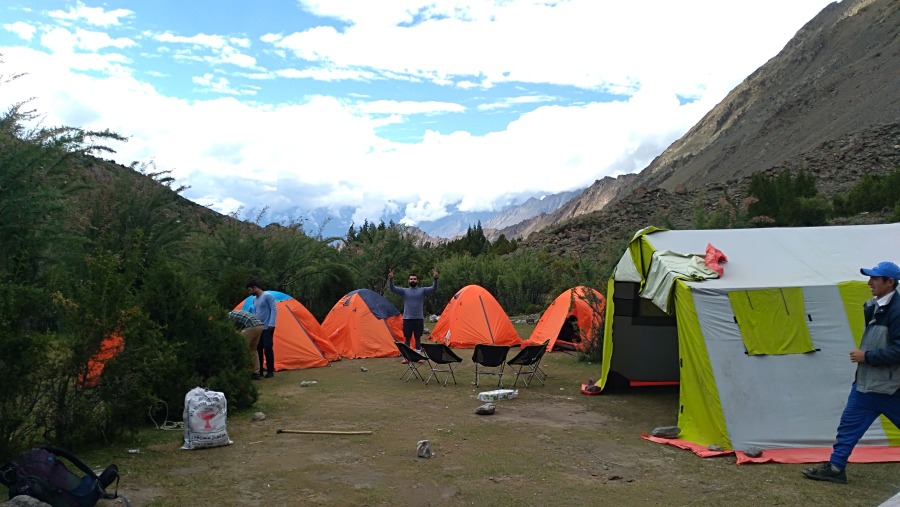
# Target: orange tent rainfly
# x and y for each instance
(474, 316)
(299, 340)
(586, 305)
(109, 347)
(363, 324)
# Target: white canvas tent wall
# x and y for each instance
(787, 404)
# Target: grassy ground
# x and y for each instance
(550, 445)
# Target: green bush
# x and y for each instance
(787, 200)
(26, 345)
(209, 352)
(872, 193)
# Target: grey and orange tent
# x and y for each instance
(586, 305)
(363, 324)
(759, 348)
(299, 340)
(474, 316)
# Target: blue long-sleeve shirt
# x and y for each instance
(265, 310)
(413, 298)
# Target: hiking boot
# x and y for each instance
(255, 376)
(270, 374)
(825, 472)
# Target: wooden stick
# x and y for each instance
(315, 432)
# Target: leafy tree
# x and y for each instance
(787, 200)
(473, 243)
(379, 249)
(503, 246)
(871, 193)
(38, 169)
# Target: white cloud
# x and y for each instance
(64, 41)
(408, 107)
(218, 85)
(22, 29)
(584, 43)
(92, 15)
(305, 147)
(64, 46)
(92, 41)
(513, 101)
(223, 48)
(232, 56)
(201, 39)
(325, 74)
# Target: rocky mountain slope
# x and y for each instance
(838, 75)
(828, 103)
(593, 198)
(529, 209)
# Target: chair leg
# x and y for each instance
(529, 376)
(412, 371)
(518, 373)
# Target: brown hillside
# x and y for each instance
(829, 103)
(838, 75)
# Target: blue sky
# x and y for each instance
(402, 107)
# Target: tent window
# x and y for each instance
(629, 304)
(772, 321)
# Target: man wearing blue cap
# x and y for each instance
(876, 390)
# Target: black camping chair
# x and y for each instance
(528, 361)
(440, 355)
(492, 359)
(413, 361)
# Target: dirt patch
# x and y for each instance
(551, 414)
(550, 445)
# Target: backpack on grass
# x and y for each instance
(40, 474)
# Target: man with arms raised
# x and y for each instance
(413, 306)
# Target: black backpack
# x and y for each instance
(40, 474)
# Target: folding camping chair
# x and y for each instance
(492, 357)
(528, 361)
(413, 361)
(440, 355)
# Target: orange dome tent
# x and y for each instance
(585, 304)
(109, 347)
(362, 324)
(474, 316)
(299, 340)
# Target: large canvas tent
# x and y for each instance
(474, 316)
(363, 324)
(585, 304)
(760, 352)
(299, 342)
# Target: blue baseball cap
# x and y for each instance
(887, 269)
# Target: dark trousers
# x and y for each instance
(413, 329)
(266, 351)
(861, 411)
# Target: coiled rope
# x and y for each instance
(167, 424)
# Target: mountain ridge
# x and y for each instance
(814, 106)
